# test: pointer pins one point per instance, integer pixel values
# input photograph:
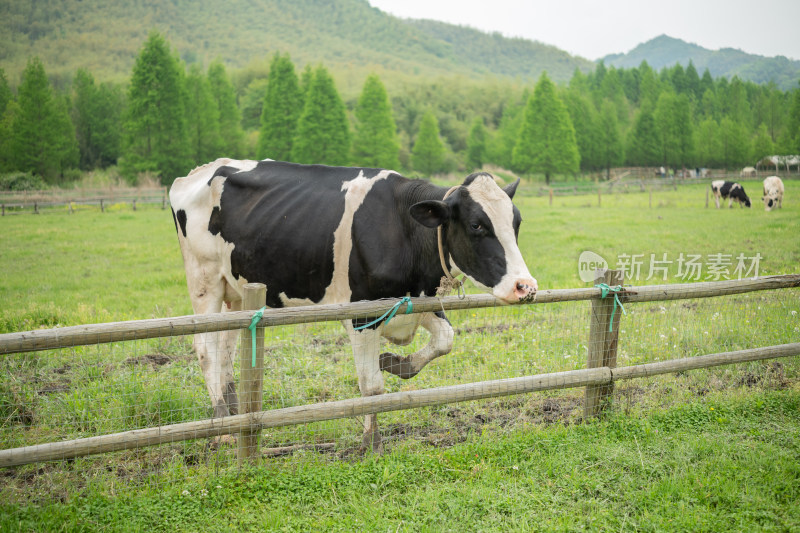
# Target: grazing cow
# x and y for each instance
(773, 193)
(731, 191)
(318, 234)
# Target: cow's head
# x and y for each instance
(769, 202)
(480, 226)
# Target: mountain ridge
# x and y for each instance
(665, 51)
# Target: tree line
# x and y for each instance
(172, 117)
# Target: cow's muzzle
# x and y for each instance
(523, 289)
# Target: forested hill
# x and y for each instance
(104, 37)
(665, 51)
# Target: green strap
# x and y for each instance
(388, 315)
(604, 290)
(252, 327)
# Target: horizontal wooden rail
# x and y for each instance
(49, 339)
(395, 401)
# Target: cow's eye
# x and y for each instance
(475, 226)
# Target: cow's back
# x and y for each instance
(272, 222)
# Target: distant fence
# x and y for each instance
(645, 180)
(16, 202)
(599, 376)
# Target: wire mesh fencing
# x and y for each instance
(146, 385)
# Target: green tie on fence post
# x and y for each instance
(603, 338)
(251, 378)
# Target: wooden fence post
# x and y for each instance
(251, 376)
(102, 209)
(134, 204)
(602, 342)
(598, 197)
(551, 197)
(706, 197)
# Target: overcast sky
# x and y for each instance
(595, 28)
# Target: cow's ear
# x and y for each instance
(431, 213)
(511, 189)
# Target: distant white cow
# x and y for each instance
(773, 192)
(748, 172)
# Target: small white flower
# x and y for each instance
(515, 467)
(185, 492)
(794, 313)
(663, 336)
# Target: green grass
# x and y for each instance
(716, 465)
(663, 460)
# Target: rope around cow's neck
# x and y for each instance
(448, 282)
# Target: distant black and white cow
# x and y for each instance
(318, 234)
(773, 193)
(729, 190)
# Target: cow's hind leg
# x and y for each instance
(441, 343)
(215, 351)
(366, 345)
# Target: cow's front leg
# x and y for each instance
(366, 345)
(441, 343)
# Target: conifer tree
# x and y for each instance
(611, 148)
(323, 134)
(547, 139)
(7, 105)
(42, 135)
(96, 112)
(281, 111)
(375, 141)
(643, 140)
(155, 138)
(476, 144)
(427, 155)
(203, 119)
(231, 136)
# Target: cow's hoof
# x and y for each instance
(399, 366)
(221, 440)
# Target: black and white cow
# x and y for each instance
(318, 234)
(729, 190)
(773, 193)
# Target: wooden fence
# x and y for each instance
(35, 201)
(598, 378)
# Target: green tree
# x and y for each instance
(583, 115)
(673, 120)
(42, 135)
(643, 147)
(476, 144)
(283, 105)
(734, 144)
(323, 134)
(96, 112)
(427, 155)
(763, 145)
(7, 106)
(155, 133)
(611, 147)
(547, 138)
(707, 143)
(375, 141)
(231, 136)
(203, 121)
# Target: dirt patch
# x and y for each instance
(153, 360)
(499, 328)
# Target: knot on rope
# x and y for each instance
(448, 285)
(257, 316)
(388, 315)
(604, 291)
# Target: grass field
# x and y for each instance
(708, 450)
